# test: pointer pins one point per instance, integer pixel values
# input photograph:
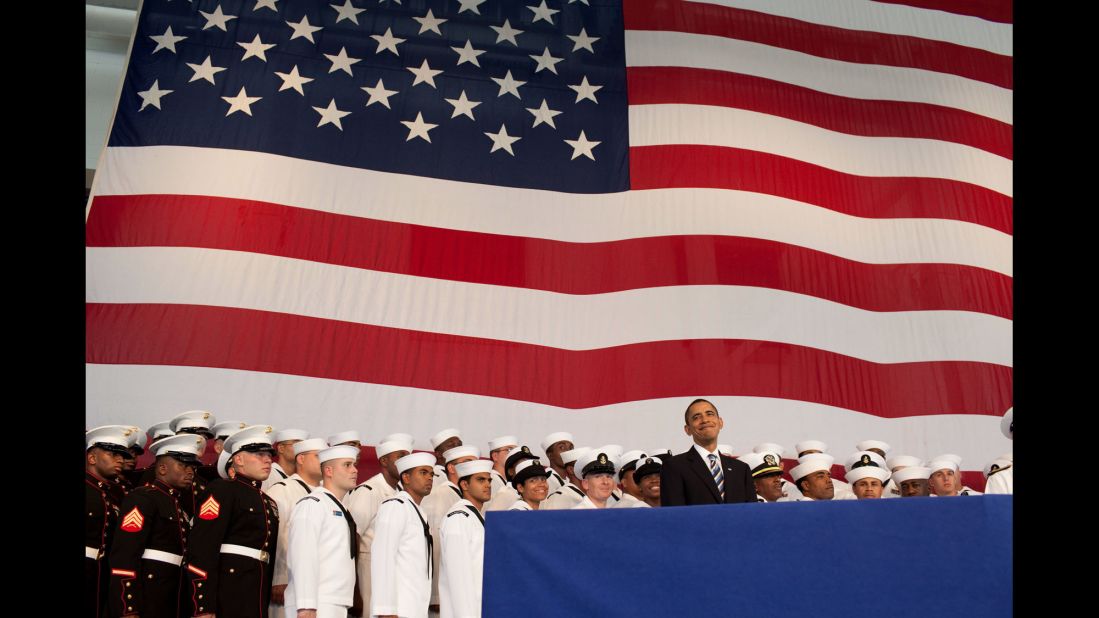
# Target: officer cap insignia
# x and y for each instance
(268, 430)
(525, 449)
(205, 415)
(865, 460)
(133, 521)
(770, 460)
(199, 441)
(602, 458)
(209, 509)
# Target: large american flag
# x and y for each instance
(528, 216)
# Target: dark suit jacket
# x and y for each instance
(685, 480)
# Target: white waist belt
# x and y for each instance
(91, 552)
(249, 552)
(162, 556)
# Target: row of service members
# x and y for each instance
(383, 486)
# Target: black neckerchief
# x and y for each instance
(350, 526)
(477, 513)
(427, 535)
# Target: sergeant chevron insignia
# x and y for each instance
(209, 509)
(133, 521)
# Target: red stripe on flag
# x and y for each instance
(992, 10)
(188, 335)
(568, 268)
(677, 165)
(872, 118)
(842, 44)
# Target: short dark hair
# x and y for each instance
(688, 410)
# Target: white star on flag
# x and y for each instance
(204, 71)
(256, 48)
(583, 41)
(387, 42)
(468, 54)
(348, 12)
(424, 74)
(303, 29)
(330, 115)
(418, 128)
(545, 61)
(430, 22)
(166, 41)
(470, 5)
(240, 103)
(217, 18)
(502, 141)
(293, 80)
(508, 85)
(584, 90)
(506, 33)
(152, 96)
(543, 12)
(463, 106)
(582, 146)
(341, 62)
(543, 114)
(378, 94)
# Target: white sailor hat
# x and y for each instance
(461, 451)
(942, 464)
(866, 445)
(184, 447)
(628, 460)
(570, 456)
(400, 437)
(343, 451)
(957, 459)
(810, 445)
(554, 438)
(415, 460)
(613, 451)
(770, 447)
(814, 462)
(225, 429)
(312, 444)
(508, 442)
(645, 466)
(662, 453)
(466, 468)
(1007, 424)
(910, 473)
(285, 435)
(903, 460)
(113, 438)
(516, 455)
(392, 446)
(254, 438)
(821, 456)
(594, 461)
(1007, 456)
(863, 458)
(763, 464)
(159, 430)
(996, 465)
(443, 436)
(528, 469)
(344, 436)
(223, 464)
(857, 474)
(193, 421)
(725, 449)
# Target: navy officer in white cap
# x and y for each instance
(596, 470)
(105, 447)
(147, 552)
(462, 541)
(400, 559)
(767, 475)
(235, 534)
(323, 541)
(570, 494)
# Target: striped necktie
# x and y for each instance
(719, 478)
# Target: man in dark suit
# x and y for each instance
(702, 475)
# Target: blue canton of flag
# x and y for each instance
(507, 92)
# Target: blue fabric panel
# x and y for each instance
(916, 557)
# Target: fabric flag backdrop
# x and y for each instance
(522, 217)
